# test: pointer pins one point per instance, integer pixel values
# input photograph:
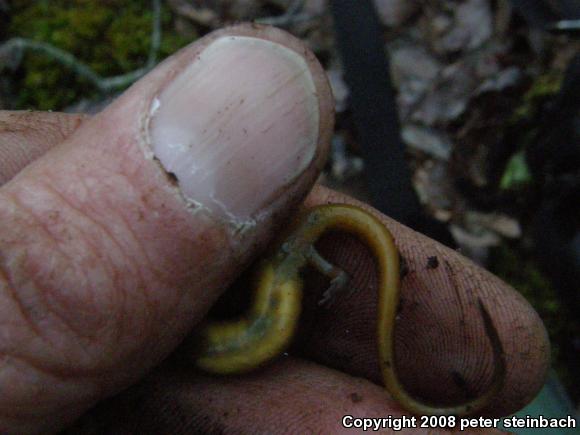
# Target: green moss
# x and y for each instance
(516, 172)
(524, 120)
(525, 276)
(112, 37)
(544, 87)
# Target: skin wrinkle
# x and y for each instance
(505, 307)
(470, 388)
(468, 332)
(48, 343)
(12, 419)
(117, 289)
(455, 288)
(64, 123)
(123, 300)
(68, 259)
(24, 136)
(516, 369)
(116, 292)
(487, 366)
(67, 380)
(12, 295)
(460, 357)
(198, 401)
(27, 314)
(16, 125)
(61, 374)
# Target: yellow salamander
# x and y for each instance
(237, 346)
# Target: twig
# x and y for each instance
(58, 54)
(103, 84)
(155, 35)
(565, 25)
(291, 16)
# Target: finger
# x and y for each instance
(290, 396)
(25, 136)
(443, 354)
(116, 242)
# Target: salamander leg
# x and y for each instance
(339, 279)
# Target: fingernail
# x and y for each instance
(238, 124)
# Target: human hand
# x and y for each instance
(112, 248)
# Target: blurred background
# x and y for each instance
(460, 118)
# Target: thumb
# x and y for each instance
(116, 242)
